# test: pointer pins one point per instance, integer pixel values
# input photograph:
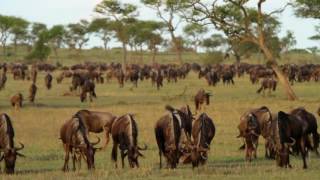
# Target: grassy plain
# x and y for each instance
(37, 126)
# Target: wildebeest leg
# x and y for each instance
(106, 130)
(160, 157)
(122, 158)
(303, 152)
(66, 158)
(114, 153)
(74, 159)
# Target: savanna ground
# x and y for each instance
(37, 126)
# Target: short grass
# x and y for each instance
(38, 128)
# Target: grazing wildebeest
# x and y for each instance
(8, 151)
(268, 83)
(291, 131)
(48, 81)
(125, 136)
(310, 126)
(201, 97)
(3, 80)
(16, 101)
(87, 87)
(203, 131)
(98, 122)
(32, 92)
(74, 137)
(263, 117)
(172, 135)
(227, 77)
(34, 74)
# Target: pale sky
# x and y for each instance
(53, 12)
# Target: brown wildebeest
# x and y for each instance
(291, 131)
(48, 81)
(8, 151)
(203, 131)
(263, 117)
(32, 92)
(16, 101)
(87, 87)
(267, 83)
(98, 122)
(172, 136)
(201, 97)
(125, 136)
(74, 137)
(3, 80)
(34, 74)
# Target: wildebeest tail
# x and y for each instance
(160, 138)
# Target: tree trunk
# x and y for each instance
(4, 47)
(124, 63)
(141, 54)
(154, 56)
(176, 46)
(282, 78)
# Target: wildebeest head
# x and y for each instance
(133, 155)
(10, 157)
(172, 154)
(89, 151)
(286, 141)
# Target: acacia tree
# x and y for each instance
(57, 34)
(102, 28)
(288, 41)
(167, 11)
(6, 25)
(122, 16)
(196, 32)
(76, 35)
(19, 31)
(238, 21)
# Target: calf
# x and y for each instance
(201, 97)
(16, 101)
(125, 136)
(8, 151)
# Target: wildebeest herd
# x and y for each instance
(181, 136)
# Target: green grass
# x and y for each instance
(38, 128)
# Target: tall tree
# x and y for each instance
(57, 34)
(41, 49)
(237, 20)
(19, 31)
(167, 11)
(122, 16)
(77, 35)
(288, 41)
(6, 25)
(102, 28)
(196, 32)
(307, 8)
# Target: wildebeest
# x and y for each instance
(260, 116)
(98, 122)
(48, 81)
(3, 80)
(125, 136)
(267, 83)
(8, 151)
(172, 135)
(16, 101)
(203, 131)
(87, 87)
(291, 132)
(32, 92)
(201, 97)
(74, 137)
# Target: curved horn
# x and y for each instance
(203, 157)
(20, 148)
(95, 143)
(1, 158)
(293, 142)
(144, 148)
